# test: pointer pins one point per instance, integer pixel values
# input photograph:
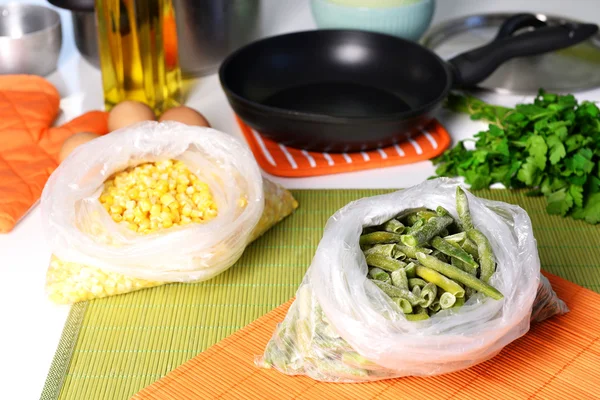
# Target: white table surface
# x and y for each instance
(31, 325)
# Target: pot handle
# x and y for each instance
(476, 65)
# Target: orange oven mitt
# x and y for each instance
(29, 146)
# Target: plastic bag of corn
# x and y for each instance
(151, 204)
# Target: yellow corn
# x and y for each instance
(71, 282)
(156, 196)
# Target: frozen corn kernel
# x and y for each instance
(156, 196)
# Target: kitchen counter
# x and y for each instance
(32, 325)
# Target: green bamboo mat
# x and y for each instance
(111, 348)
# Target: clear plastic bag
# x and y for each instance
(93, 256)
(342, 328)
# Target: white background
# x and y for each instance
(31, 326)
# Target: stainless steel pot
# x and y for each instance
(207, 30)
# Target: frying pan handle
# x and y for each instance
(516, 22)
(476, 65)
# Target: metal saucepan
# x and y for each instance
(344, 90)
(207, 30)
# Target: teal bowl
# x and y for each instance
(406, 19)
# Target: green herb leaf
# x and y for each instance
(550, 146)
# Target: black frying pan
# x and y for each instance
(344, 90)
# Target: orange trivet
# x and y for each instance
(280, 160)
(556, 359)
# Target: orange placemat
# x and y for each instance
(556, 359)
(280, 160)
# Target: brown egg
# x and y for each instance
(185, 115)
(127, 113)
(73, 142)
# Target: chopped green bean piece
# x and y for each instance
(447, 300)
(404, 305)
(459, 302)
(379, 275)
(468, 268)
(416, 317)
(380, 238)
(416, 290)
(444, 232)
(427, 232)
(441, 211)
(337, 368)
(411, 252)
(399, 279)
(384, 249)
(410, 270)
(487, 260)
(457, 238)
(420, 222)
(393, 225)
(428, 294)
(426, 214)
(458, 275)
(435, 306)
(453, 252)
(440, 280)
(416, 282)
(470, 248)
(393, 292)
(462, 207)
(385, 263)
(356, 360)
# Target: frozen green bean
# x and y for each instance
(393, 225)
(462, 207)
(410, 270)
(458, 275)
(470, 248)
(380, 238)
(420, 222)
(379, 275)
(417, 317)
(416, 282)
(459, 302)
(383, 249)
(354, 359)
(441, 211)
(427, 232)
(385, 263)
(457, 238)
(453, 252)
(399, 279)
(440, 280)
(487, 261)
(435, 306)
(411, 252)
(468, 268)
(447, 300)
(404, 305)
(428, 294)
(426, 214)
(416, 290)
(394, 292)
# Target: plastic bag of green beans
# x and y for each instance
(343, 328)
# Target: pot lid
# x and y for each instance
(569, 70)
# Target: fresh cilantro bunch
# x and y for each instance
(551, 147)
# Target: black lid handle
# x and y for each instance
(476, 65)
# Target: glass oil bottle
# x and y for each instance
(137, 41)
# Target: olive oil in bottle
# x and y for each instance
(137, 42)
